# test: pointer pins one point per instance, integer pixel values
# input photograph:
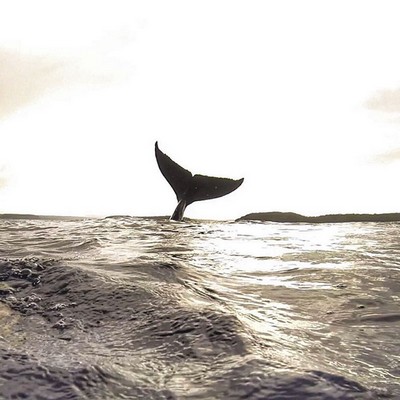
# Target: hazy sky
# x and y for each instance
(301, 98)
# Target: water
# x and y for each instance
(141, 308)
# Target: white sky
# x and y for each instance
(301, 98)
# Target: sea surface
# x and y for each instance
(147, 308)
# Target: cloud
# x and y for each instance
(388, 157)
(3, 178)
(23, 78)
(26, 77)
(385, 100)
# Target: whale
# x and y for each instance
(190, 188)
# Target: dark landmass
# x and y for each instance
(330, 218)
(33, 216)
(275, 216)
(117, 216)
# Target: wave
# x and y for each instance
(76, 333)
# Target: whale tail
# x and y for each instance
(190, 188)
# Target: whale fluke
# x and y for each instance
(189, 188)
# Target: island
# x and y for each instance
(277, 216)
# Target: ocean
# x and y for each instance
(147, 308)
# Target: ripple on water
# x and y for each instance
(78, 334)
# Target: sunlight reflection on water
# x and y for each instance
(292, 259)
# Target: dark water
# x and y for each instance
(136, 308)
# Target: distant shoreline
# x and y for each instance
(329, 218)
(34, 216)
(275, 216)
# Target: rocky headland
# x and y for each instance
(329, 218)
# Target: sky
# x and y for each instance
(301, 98)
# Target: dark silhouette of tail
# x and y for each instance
(189, 188)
